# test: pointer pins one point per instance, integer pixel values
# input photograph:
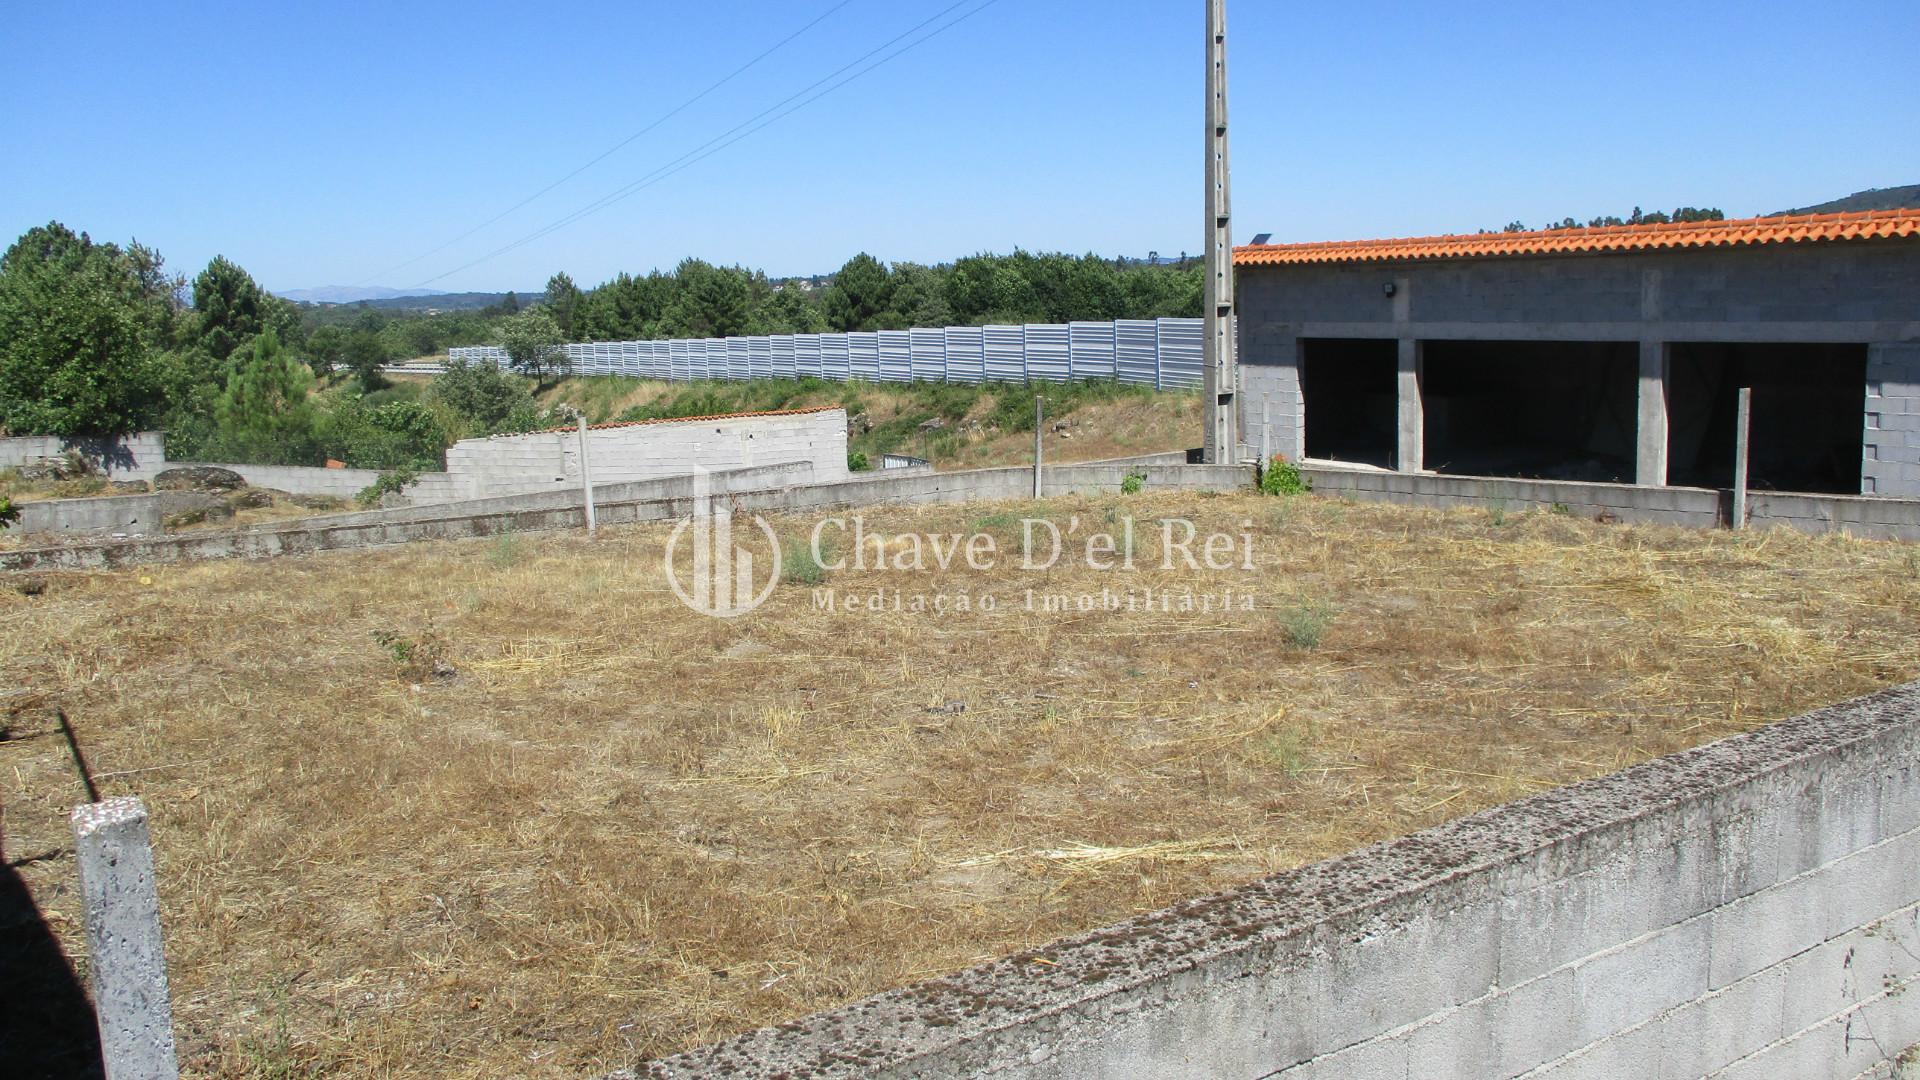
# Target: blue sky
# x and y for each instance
(327, 144)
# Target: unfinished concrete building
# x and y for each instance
(1606, 354)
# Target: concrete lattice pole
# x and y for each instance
(586, 473)
(125, 961)
(1218, 372)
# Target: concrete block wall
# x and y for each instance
(624, 453)
(1270, 391)
(124, 457)
(1706, 295)
(107, 515)
(773, 489)
(1746, 909)
(1869, 517)
(297, 479)
(1890, 440)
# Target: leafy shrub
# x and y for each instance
(857, 461)
(399, 434)
(486, 399)
(417, 658)
(1287, 750)
(9, 513)
(1304, 624)
(798, 566)
(1282, 477)
(1133, 482)
(393, 482)
(505, 549)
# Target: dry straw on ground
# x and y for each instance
(620, 828)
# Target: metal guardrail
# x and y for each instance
(1162, 353)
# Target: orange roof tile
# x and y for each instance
(1863, 225)
(691, 419)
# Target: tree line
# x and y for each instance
(697, 299)
(1638, 217)
(97, 338)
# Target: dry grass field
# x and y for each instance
(505, 807)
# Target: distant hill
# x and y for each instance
(1892, 198)
(403, 300)
(348, 294)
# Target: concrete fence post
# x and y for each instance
(126, 963)
(1039, 420)
(586, 474)
(1743, 422)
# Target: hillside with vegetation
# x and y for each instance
(1892, 198)
(97, 338)
(954, 425)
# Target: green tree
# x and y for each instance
(789, 312)
(862, 292)
(919, 298)
(79, 333)
(264, 414)
(563, 299)
(533, 343)
(709, 301)
(364, 354)
(230, 310)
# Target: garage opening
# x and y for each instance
(1807, 407)
(1350, 391)
(1546, 410)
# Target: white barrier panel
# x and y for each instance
(1164, 353)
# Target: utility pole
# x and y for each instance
(1220, 377)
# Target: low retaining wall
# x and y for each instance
(549, 461)
(604, 495)
(112, 515)
(1746, 909)
(1873, 517)
(121, 457)
(333, 483)
(760, 489)
(785, 487)
(650, 450)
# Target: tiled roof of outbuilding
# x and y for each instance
(1805, 228)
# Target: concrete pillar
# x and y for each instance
(125, 961)
(1890, 433)
(1651, 466)
(1410, 455)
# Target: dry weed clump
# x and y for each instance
(613, 828)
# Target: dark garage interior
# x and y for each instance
(1550, 410)
(1350, 390)
(1805, 428)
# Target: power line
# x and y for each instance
(759, 121)
(623, 143)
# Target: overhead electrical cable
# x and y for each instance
(759, 121)
(623, 143)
